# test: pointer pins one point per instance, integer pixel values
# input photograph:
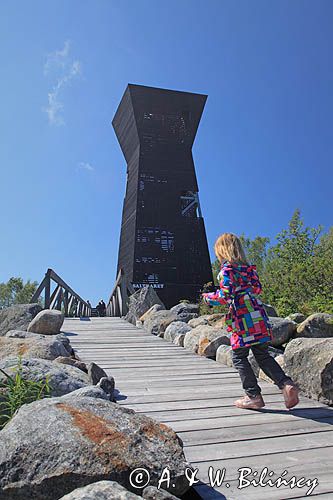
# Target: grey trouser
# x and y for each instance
(266, 362)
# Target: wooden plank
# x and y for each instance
(258, 447)
(175, 415)
(184, 395)
(166, 392)
(253, 418)
(181, 380)
(257, 431)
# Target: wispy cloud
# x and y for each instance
(85, 166)
(60, 64)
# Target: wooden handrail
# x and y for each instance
(118, 301)
(63, 295)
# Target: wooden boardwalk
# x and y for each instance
(195, 395)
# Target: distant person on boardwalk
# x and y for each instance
(248, 323)
(101, 308)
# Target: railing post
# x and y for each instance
(66, 302)
(124, 296)
(59, 300)
(47, 290)
(120, 301)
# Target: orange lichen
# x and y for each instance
(99, 431)
(160, 431)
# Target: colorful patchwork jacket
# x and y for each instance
(246, 319)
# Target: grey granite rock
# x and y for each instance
(153, 493)
(62, 378)
(297, 317)
(283, 330)
(102, 490)
(318, 325)
(53, 446)
(309, 362)
(47, 322)
(140, 302)
(201, 320)
(210, 341)
(159, 321)
(95, 373)
(33, 347)
(174, 329)
(224, 355)
(17, 317)
(107, 384)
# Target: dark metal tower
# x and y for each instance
(163, 241)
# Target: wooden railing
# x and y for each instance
(61, 298)
(118, 301)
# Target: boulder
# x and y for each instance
(153, 493)
(102, 490)
(72, 362)
(282, 330)
(210, 341)
(270, 310)
(53, 446)
(107, 384)
(62, 378)
(202, 320)
(297, 317)
(151, 311)
(280, 360)
(273, 351)
(159, 321)
(176, 328)
(20, 334)
(33, 347)
(217, 320)
(184, 307)
(17, 317)
(219, 324)
(224, 355)
(185, 312)
(318, 325)
(47, 322)
(309, 362)
(203, 334)
(140, 302)
(191, 339)
(91, 391)
(179, 339)
(95, 373)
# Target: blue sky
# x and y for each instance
(264, 146)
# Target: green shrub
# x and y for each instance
(16, 391)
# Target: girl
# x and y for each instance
(248, 323)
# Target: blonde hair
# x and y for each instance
(228, 247)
